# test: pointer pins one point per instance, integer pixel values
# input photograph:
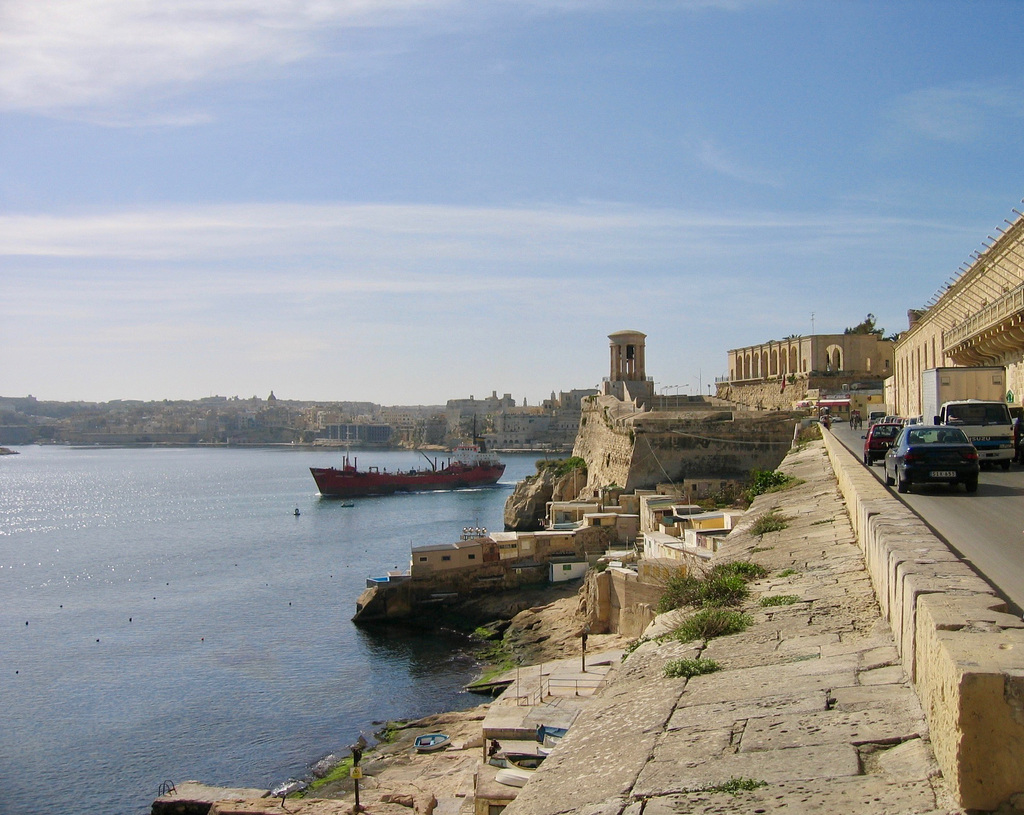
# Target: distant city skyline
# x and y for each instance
(408, 201)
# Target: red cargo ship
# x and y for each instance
(469, 466)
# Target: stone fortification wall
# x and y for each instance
(640, 450)
(962, 650)
(604, 442)
(618, 601)
(765, 395)
(723, 444)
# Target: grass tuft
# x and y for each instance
(770, 521)
(691, 667)
(709, 623)
(780, 600)
(733, 786)
(724, 585)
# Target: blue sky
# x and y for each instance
(406, 201)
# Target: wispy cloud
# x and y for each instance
(74, 53)
(958, 113)
(415, 236)
(85, 58)
(713, 157)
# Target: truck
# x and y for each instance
(973, 399)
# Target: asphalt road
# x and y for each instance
(985, 528)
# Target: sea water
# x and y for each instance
(166, 615)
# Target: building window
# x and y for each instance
(567, 567)
(446, 557)
(423, 560)
(472, 557)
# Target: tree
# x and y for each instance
(866, 327)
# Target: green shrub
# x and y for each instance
(762, 481)
(780, 600)
(723, 590)
(724, 585)
(788, 572)
(681, 590)
(747, 570)
(770, 521)
(562, 466)
(709, 623)
(691, 667)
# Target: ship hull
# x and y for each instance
(348, 483)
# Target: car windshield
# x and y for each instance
(982, 414)
(886, 430)
(937, 435)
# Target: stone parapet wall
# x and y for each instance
(765, 395)
(725, 445)
(960, 647)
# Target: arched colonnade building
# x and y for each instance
(818, 355)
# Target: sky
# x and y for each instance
(410, 201)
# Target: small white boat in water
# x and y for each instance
(431, 742)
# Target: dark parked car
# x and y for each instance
(930, 454)
(879, 438)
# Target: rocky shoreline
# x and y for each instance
(396, 779)
(534, 635)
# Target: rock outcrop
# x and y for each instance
(526, 507)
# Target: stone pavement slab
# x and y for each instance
(846, 795)
(811, 704)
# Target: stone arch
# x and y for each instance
(794, 363)
(774, 369)
(833, 358)
(764, 364)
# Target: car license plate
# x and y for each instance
(942, 474)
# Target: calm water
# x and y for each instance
(165, 616)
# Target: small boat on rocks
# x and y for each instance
(431, 742)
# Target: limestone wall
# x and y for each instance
(604, 443)
(616, 601)
(640, 450)
(724, 444)
(958, 644)
(765, 395)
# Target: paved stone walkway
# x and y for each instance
(811, 705)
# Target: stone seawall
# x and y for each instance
(403, 599)
(962, 651)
